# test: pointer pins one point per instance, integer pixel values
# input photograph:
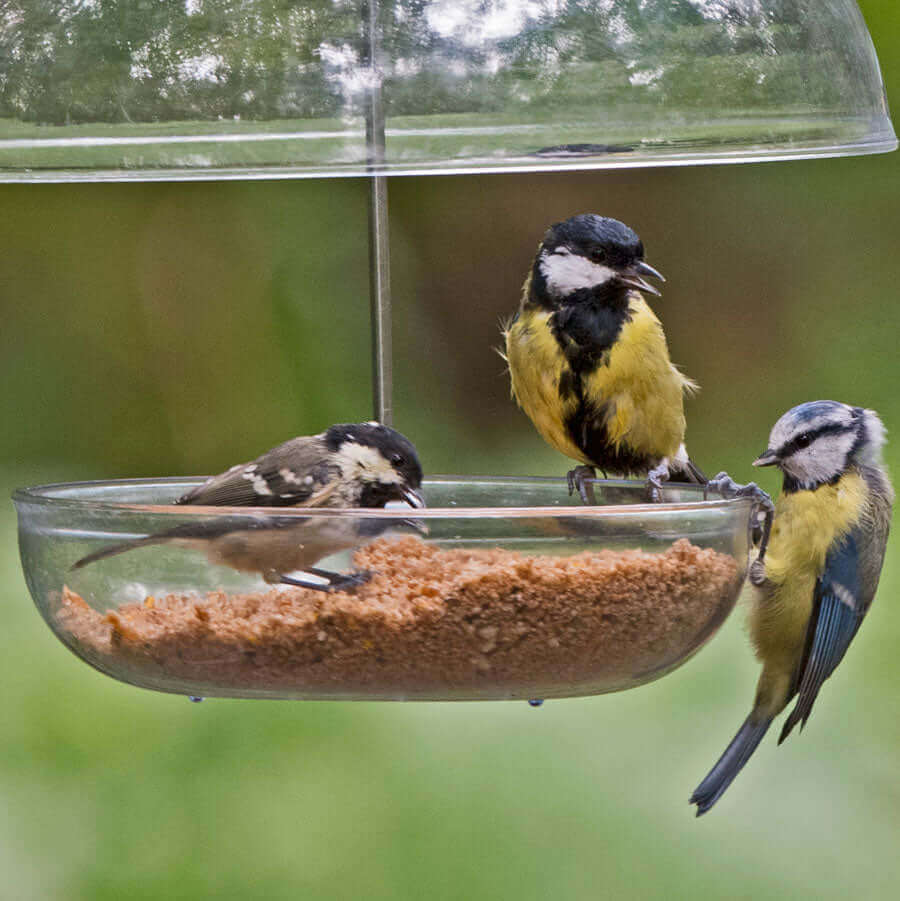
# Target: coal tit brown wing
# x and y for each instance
(295, 473)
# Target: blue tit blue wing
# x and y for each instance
(837, 614)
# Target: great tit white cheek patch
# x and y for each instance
(569, 272)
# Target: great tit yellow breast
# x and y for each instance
(622, 410)
(536, 368)
(642, 392)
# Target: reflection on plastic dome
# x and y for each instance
(200, 86)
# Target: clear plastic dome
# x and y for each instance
(207, 88)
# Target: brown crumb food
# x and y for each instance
(431, 623)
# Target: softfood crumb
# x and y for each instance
(430, 623)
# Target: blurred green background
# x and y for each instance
(178, 328)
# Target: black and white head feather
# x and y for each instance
(351, 464)
(381, 460)
(817, 442)
(590, 253)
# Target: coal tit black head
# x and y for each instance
(380, 460)
(588, 252)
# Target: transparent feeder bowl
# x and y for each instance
(330, 88)
(101, 92)
(513, 593)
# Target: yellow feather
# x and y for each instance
(637, 383)
(535, 366)
(806, 525)
(643, 390)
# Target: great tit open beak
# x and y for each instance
(633, 276)
(768, 458)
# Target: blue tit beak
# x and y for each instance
(633, 276)
(768, 458)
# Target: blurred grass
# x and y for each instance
(154, 329)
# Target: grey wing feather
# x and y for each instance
(293, 473)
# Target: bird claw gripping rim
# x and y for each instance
(762, 503)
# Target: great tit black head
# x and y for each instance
(590, 252)
(381, 461)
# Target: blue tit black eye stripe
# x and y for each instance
(805, 439)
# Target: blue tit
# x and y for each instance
(820, 573)
(588, 359)
(348, 465)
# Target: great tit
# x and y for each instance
(349, 465)
(820, 573)
(588, 359)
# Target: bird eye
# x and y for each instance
(598, 256)
(804, 440)
(397, 460)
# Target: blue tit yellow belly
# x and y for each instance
(807, 524)
(619, 408)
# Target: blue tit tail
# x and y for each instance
(730, 763)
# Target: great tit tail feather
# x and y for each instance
(685, 470)
(695, 474)
(730, 763)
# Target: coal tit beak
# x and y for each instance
(412, 497)
(634, 277)
(767, 458)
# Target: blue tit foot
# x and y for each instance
(195, 699)
(656, 478)
(535, 702)
(728, 488)
(763, 507)
(581, 478)
(757, 574)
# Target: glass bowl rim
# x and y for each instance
(43, 495)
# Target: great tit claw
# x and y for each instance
(655, 480)
(580, 478)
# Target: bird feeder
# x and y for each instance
(340, 88)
